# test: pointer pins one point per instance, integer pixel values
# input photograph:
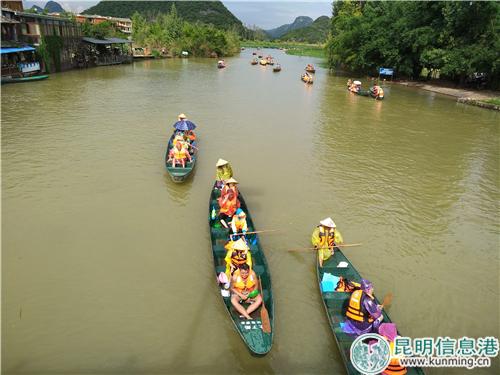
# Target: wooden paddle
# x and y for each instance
(387, 300)
(259, 231)
(340, 245)
(264, 315)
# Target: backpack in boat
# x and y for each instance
(345, 285)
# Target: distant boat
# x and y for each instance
(310, 68)
(307, 78)
(277, 68)
(254, 62)
(263, 62)
(221, 64)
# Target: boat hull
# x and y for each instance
(177, 173)
(24, 79)
(335, 304)
(257, 342)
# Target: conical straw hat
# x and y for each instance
(240, 245)
(328, 222)
(221, 162)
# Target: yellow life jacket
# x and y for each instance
(355, 310)
(242, 285)
(238, 258)
(326, 236)
(179, 154)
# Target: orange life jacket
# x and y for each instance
(394, 367)
(355, 310)
(244, 285)
(238, 258)
(228, 206)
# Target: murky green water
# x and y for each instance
(106, 264)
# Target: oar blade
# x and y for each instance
(387, 300)
(264, 317)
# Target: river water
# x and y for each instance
(106, 263)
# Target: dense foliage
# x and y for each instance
(208, 12)
(317, 32)
(101, 30)
(171, 33)
(458, 40)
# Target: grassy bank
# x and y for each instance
(495, 101)
(298, 49)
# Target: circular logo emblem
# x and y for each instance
(370, 354)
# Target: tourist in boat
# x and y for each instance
(324, 238)
(363, 315)
(228, 201)
(390, 332)
(355, 87)
(349, 84)
(179, 154)
(239, 223)
(238, 253)
(244, 282)
(224, 172)
(377, 92)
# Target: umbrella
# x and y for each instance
(184, 125)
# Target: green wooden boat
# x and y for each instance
(258, 342)
(177, 173)
(24, 79)
(336, 304)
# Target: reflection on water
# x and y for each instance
(118, 247)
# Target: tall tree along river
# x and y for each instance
(106, 263)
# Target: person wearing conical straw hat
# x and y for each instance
(181, 117)
(238, 253)
(324, 238)
(224, 172)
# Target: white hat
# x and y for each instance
(221, 162)
(240, 245)
(357, 82)
(182, 115)
(328, 222)
(231, 181)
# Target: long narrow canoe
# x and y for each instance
(336, 303)
(178, 173)
(24, 79)
(258, 342)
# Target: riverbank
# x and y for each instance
(297, 49)
(483, 99)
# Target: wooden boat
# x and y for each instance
(254, 53)
(177, 173)
(310, 69)
(24, 79)
(260, 56)
(263, 62)
(254, 62)
(221, 65)
(277, 68)
(336, 303)
(258, 342)
(307, 79)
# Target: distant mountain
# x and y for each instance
(210, 12)
(317, 32)
(54, 7)
(300, 22)
(36, 9)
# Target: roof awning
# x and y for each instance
(106, 41)
(17, 49)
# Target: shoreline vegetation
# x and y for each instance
(292, 48)
(169, 34)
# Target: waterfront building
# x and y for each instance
(122, 24)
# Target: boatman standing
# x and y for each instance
(224, 172)
(363, 314)
(324, 238)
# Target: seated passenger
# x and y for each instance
(244, 282)
(239, 223)
(228, 204)
(363, 314)
(237, 254)
(178, 155)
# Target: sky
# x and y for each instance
(262, 13)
